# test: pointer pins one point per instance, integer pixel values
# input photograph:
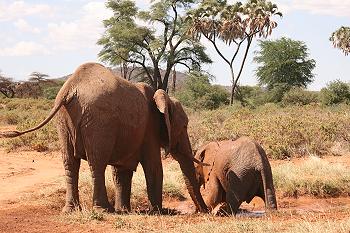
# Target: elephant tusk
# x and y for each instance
(199, 162)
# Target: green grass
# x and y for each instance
(314, 177)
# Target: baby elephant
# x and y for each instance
(239, 170)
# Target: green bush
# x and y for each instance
(336, 92)
(198, 93)
(250, 96)
(51, 92)
(299, 96)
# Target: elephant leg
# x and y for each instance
(71, 166)
(98, 153)
(154, 180)
(215, 195)
(122, 180)
(99, 197)
(234, 193)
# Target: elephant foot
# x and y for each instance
(122, 210)
(71, 208)
(104, 209)
(155, 211)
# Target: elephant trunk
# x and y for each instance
(185, 158)
(187, 168)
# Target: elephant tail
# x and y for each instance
(269, 190)
(58, 104)
(267, 180)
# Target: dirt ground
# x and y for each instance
(25, 173)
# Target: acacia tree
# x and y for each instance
(38, 77)
(6, 86)
(284, 63)
(161, 43)
(234, 24)
(341, 39)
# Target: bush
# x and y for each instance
(198, 93)
(51, 92)
(299, 96)
(336, 92)
(250, 96)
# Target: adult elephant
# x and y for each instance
(107, 120)
(239, 171)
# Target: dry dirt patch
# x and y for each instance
(24, 174)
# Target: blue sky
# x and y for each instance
(56, 36)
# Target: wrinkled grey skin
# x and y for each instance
(107, 120)
(239, 171)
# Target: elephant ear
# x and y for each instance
(163, 103)
(200, 155)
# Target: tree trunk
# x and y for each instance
(174, 80)
(158, 78)
(166, 76)
(233, 87)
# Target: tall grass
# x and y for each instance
(293, 131)
(314, 177)
(27, 113)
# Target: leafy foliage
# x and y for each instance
(162, 43)
(234, 24)
(198, 93)
(341, 39)
(284, 62)
(336, 92)
(299, 96)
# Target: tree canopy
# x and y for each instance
(341, 39)
(284, 62)
(234, 24)
(154, 39)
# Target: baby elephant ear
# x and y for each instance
(163, 102)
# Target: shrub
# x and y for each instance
(198, 93)
(336, 92)
(299, 96)
(51, 92)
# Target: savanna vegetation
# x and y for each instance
(291, 122)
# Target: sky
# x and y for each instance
(54, 37)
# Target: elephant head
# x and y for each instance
(178, 144)
(203, 172)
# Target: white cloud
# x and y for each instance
(82, 32)
(339, 8)
(20, 9)
(24, 26)
(23, 48)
